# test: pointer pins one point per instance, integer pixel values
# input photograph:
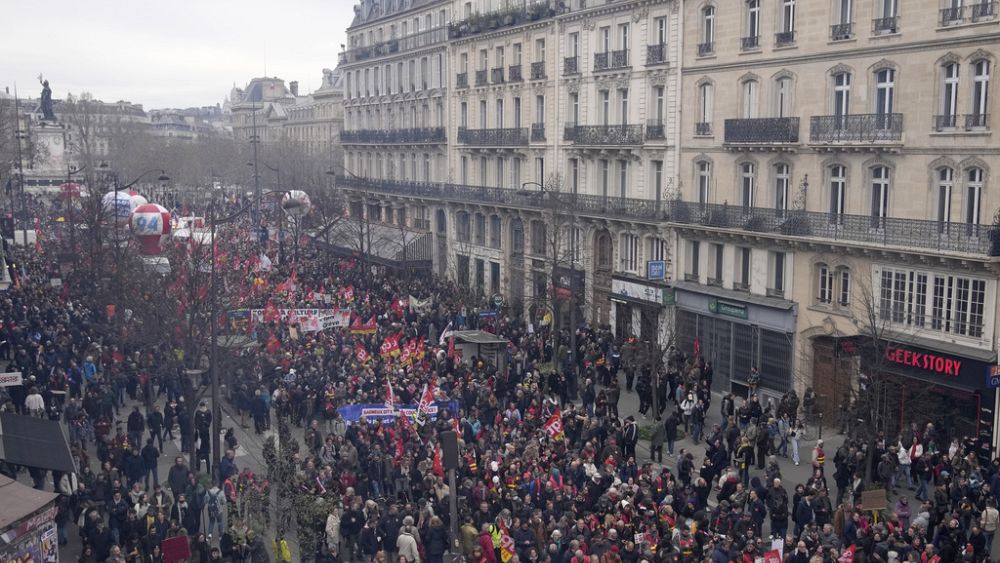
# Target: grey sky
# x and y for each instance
(178, 53)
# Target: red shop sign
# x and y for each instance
(941, 365)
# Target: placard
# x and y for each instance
(11, 379)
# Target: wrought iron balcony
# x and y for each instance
(863, 128)
(514, 73)
(481, 78)
(571, 66)
(764, 130)
(977, 120)
(395, 136)
(396, 45)
(951, 16)
(607, 135)
(784, 38)
(908, 234)
(942, 122)
(656, 54)
(703, 128)
(611, 60)
(496, 75)
(984, 10)
(841, 31)
(462, 80)
(655, 130)
(889, 24)
(706, 48)
(537, 132)
(750, 43)
(505, 137)
(569, 132)
(538, 70)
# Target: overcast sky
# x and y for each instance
(179, 53)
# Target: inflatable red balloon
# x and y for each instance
(149, 223)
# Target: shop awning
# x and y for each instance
(737, 296)
(20, 501)
(34, 442)
(478, 337)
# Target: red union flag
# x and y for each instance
(507, 545)
(554, 426)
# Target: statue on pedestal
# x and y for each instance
(46, 101)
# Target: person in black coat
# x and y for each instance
(370, 542)
(671, 425)
(436, 541)
(100, 539)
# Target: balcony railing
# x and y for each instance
(764, 130)
(395, 136)
(806, 225)
(505, 137)
(986, 10)
(888, 24)
(784, 38)
(706, 48)
(703, 128)
(607, 135)
(977, 120)
(396, 45)
(569, 132)
(507, 17)
(864, 128)
(656, 54)
(655, 130)
(481, 78)
(514, 73)
(538, 70)
(841, 31)
(942, 122)
(571, 65)
(537, 132)
(462, 80)
(611, 60)
(750, 43)
(951, 16)
(496, 75)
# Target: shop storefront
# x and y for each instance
(27, 523)
(639, 307)
(735, 332)
(954, 388)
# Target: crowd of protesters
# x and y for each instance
(528, 491)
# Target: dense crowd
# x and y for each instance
(528, 490)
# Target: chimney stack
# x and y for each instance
(294, 87)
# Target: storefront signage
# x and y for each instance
(640, 292)
(993, 377)
(727, 309)
(927, 361)
(656, 269)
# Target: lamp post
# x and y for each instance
(555, 203)
(277, 172)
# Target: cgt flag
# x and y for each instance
(554, 426)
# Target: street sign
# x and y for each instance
(656, 269)
(485, 314)
(10, 379)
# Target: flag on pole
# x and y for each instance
(554, 426)
(390, 397)
(445, 334)
(507, 545)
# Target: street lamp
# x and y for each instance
(555, 204)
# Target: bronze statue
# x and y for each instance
(46, 103)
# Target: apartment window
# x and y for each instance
(660, 25)
(844, 291)
(887, 8)
(399, 77)
(623, 42)
(464, 170)
(708, 26)
(825, 293)
(442, 19)
(885, 90)
(788, 16)
(482, 114)
(424, 73)
(945, 187)
(629, 252)
(753, 21)
(949, 96)
(574, 175)
(515, 173)
(622, 178)
(482, 171)
(751, 93)
(494, 277)
(841, 94)
(980, 90)
(658, 99)
(748, 184)
(540, 170)
(467, 10)
(517, 53)
(704, 181)
(845, 10)
(973, 195)
(718, 253)
(574, 44)
(462, 226)
(623, 98)
(777, 280)
(605, 39)
(463, 62)
(658, 180)
(838, 190)
(517, 112)
(500, 172)
(440, 74)
(705, 101)
(539, 239)
(539, 50)
(605, 176)
(783, 97)
(880, 194)
(574, 108)
(484, 59)
(495, 231)
(499, 58)
(539, 109)
(413, 75)
(480, 229)
(605, 107)
(957, 303)
(782, 179)
(499, 114)
(743, 255)
(694, 260)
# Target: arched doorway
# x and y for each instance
(441, 236)
(603, 266)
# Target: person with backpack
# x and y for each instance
(215, 505)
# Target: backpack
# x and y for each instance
(213, 506)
